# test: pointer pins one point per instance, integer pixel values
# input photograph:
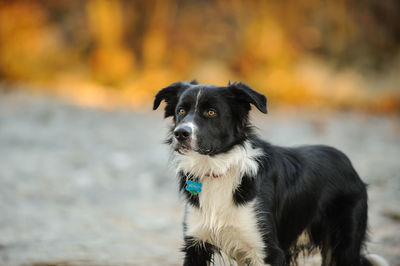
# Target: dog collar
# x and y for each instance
(195, 187)
(214, 175)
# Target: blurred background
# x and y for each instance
(312, 53)
(84, 176)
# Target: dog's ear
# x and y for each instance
(245, 94)
(170, 95)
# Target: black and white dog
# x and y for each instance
(256, 202)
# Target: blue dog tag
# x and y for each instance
(193, 187)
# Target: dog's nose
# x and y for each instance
(182, 133)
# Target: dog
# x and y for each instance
(252, 201)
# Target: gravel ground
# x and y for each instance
(82, 186)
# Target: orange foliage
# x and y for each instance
(105, 53)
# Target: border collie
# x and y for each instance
(253, 201)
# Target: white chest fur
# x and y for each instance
(218, 221)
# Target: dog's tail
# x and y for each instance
(374, 260)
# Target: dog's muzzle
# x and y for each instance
(183, 138)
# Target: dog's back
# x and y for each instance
(320, 198)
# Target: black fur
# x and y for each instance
(191, 198)
(246, 191)
(312, 189)
(171, 95)
(197, 254)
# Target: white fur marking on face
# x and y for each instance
(191, 125)
(219, 221)
(197, 100)
(193, 137)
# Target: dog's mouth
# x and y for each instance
(183, 150)
(182, 147)
(186, 147)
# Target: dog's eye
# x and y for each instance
(182, 111)
(211, 113)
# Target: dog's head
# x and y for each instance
(208, 119)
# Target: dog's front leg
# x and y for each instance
(197, 252)
(276, 257)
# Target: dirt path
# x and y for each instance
(92, 187)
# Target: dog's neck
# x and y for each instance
(242, 158)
